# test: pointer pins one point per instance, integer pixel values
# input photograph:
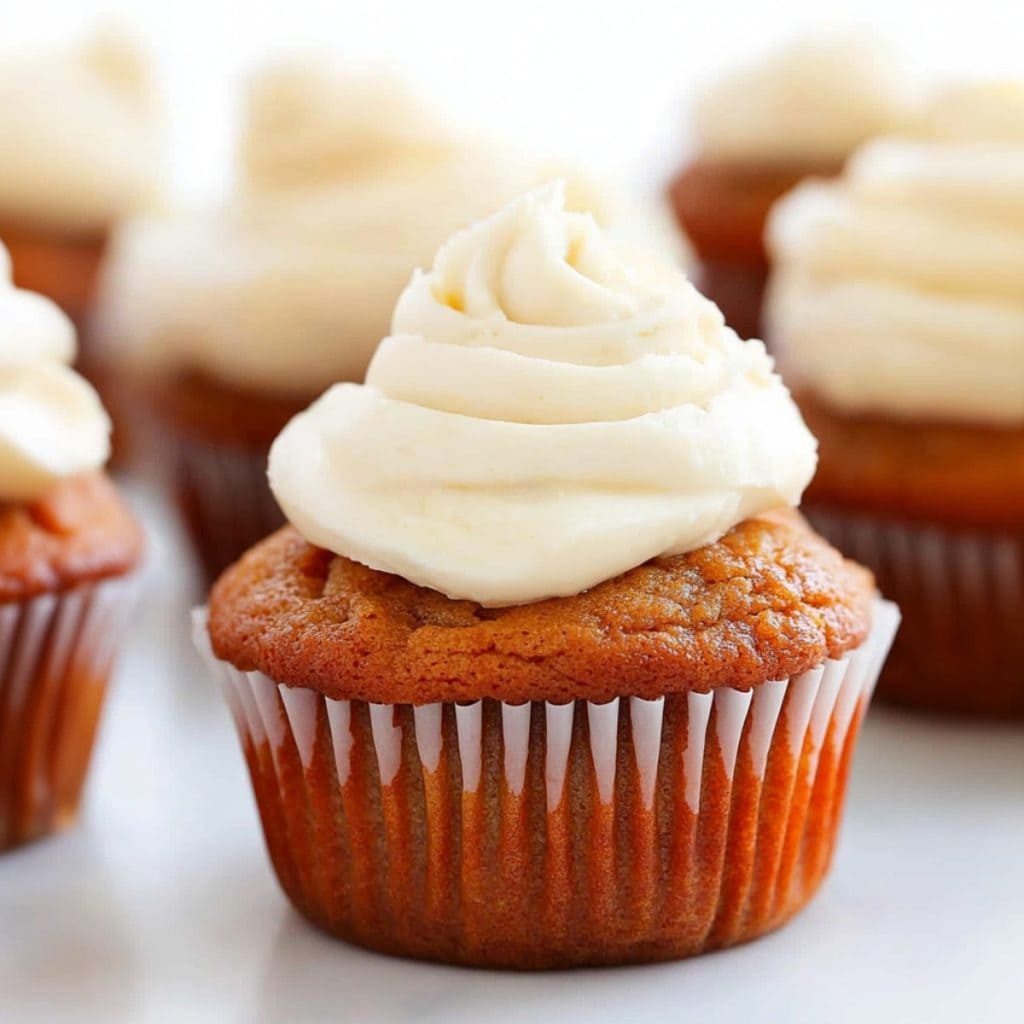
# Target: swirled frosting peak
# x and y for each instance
(51, 422)
(546, 414)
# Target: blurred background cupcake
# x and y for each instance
(67, 548)
(757, 132)
(236, 317)
(78, 151)
(897, 308)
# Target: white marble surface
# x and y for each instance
(161, 905)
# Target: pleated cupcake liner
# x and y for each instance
(224, 498)
(56, 655)
(549, 835)
(961, 592)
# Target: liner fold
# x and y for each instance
(56, 654)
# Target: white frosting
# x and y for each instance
(900, 289)
(981, 111)
(816, 99)
(51, 422)
(290, 287)
(546, 415)
(77, 136)
(308, 124)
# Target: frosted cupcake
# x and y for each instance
(898, 310)
(67, 548)
(241, 316)
(758, 132)
(546, 670)
(77, 153)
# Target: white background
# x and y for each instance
(161, 906)
(607, 82)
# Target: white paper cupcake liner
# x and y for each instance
(56, 654)
(553, 834)
(961, 647)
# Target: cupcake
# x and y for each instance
(67, 548)
(77, 136)
(546, 670)
(758, 132)
(897, 306)
(239, 317)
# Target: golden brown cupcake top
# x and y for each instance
(957, 474)
(80, 531)
(767, 601)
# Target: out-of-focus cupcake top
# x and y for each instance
(78, 134)
(547, 413)
(986, 111)
(899, 289)
(814, 100)
(307, 124)
(348, 185)
(52, 425)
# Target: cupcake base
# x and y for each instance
(961, 591)
(57, 651)
(224, 499)
(544, 835)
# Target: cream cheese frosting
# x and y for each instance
(307, 123)
(547, 413)
(349, 185)
(814, 100)
(77, 136)
(899, 290)
(51, 422)
(987, 111)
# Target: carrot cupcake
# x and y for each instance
(898, 310)
(546, 670)
(761, 130)
(77, 136)
(67, 547)
(240, 317)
